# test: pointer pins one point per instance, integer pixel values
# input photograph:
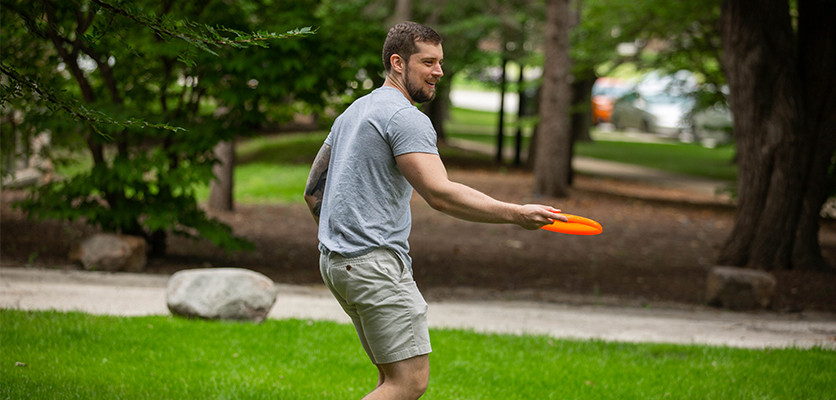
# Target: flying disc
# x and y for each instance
(576, 226)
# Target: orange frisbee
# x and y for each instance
(576, 226)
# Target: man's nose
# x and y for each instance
(437, 71)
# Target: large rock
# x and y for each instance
(111, 252)
(221, 293)
(739, 288)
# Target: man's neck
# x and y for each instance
(392, 81)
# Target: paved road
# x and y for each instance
(140, 294)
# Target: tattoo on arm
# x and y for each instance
(315, 187)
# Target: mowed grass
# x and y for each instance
(272, 169)
(75, 355)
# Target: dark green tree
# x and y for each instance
(152, 86)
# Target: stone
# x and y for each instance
(111, 252)
(740, 288)
(221, 294)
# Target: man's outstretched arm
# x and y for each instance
(315, 187)
(428, 176)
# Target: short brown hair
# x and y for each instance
(402, 38)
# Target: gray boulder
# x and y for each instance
(111, 252)
(739, 288)
(221, 293)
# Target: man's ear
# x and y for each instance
(398, 63)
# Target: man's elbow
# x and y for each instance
(437, 202)
(313, 202)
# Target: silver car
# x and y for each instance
(670, 115)
(659, 113)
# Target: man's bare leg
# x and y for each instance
(380, 376)
(402, 380)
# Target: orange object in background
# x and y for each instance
(601, 109)
(576, 226)
(605, 92)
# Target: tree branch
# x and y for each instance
(200, 39)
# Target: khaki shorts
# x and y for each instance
(377, 291)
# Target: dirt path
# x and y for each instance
(656, 249)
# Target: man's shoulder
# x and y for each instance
(389, 97)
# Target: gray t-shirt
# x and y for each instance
(365, 205)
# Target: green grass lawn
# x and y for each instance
(688, 159)
(75, 355)
(272, 169)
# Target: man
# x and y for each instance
(358, 191)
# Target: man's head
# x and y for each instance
(403, 38)
(413, 55)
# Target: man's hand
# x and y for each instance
(535, 216)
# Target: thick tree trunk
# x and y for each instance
(757, 45)
(220, 193)
(817, 60)
(554, 141)
(774, 146)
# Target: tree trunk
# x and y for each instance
(554, 137)
(439, 108)
(817, 60)
(403, 12)
(773, 146)
(220, 194)
(581, 117)
(158, 243)
(521, 106)
(500, 131)
(582, 107)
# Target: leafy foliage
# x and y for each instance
(147, 88)
(667, 36)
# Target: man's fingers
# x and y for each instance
(556, 215)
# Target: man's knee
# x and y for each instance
(411, 376)
(419, 384)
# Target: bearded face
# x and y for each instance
(421, 90)
(423, 71)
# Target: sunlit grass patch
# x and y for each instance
(52, 355)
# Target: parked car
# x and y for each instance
(659, 113)
(605, 92)
(712, 126)
(665, 106)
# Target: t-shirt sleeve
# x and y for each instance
(411, 131)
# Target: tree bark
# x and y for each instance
(521, 106)
(500, 131)
(220, 194)
(554, 136)
(581, 117)
(403, 12)
(781, 152)
(439, 108)
(817, 60)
